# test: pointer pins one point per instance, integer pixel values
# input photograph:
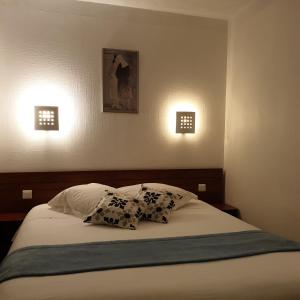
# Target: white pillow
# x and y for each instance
(183, 196)
(80, 200)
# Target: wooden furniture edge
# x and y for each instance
(45, 185)
(12, 217)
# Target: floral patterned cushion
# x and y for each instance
(116, 209)
(156, 205)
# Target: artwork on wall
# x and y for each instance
(120, 81)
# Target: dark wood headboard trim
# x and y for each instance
(46, 185)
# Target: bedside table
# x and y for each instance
(227, 208)
(9, 223)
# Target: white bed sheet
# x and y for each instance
(269, 276)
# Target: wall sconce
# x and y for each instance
(46, 118)
(185, 122)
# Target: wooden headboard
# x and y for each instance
(45, 185)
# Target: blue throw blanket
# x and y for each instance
(76, 258)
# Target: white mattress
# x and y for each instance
(269, 276)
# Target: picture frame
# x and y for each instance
(120, 80)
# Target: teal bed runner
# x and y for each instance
(49, 260)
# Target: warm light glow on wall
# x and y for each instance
(44, 94)
(187, 103)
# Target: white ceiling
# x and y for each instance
(220, 9)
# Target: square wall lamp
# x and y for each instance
(185, 122)
(46, 118)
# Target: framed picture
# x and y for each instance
(120, 81)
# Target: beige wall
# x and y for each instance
(50, 53)
(262, 139)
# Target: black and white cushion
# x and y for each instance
(155, 205)
(116, 209)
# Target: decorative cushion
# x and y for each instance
(79, 200)
(156, 205)
(182, 196)
(116, 209)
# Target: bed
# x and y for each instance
(266, 276)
